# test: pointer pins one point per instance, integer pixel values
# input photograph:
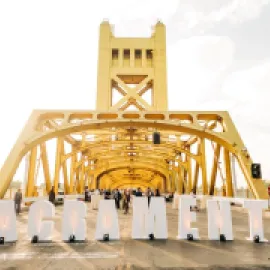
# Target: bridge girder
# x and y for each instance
(199, 126)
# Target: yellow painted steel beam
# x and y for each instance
(119, 166)
(158, 149)
(117, 158)
(45, 164)
(72, 174)
(172, 175)
(89, 179)
(51, 124)
(148, 165)
(189, 175)
(196, 172)
(214, 169)
(227, 161)
(203, 167)
(57, 163)
(134, 184)
(181, 180)
(229, 139)
(29, 192)
(64, 168)
(82, 178)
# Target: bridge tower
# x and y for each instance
(132, 67)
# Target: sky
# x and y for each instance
(218, 58)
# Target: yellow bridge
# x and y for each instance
(113, 147)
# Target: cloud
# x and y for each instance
(195, 15)
(196, 68)
(241, 10)
(135, 17)
(249, 88)
(249, 85)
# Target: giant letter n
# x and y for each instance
(219, 219)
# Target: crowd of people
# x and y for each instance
(122, 197)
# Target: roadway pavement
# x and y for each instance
(136, 254)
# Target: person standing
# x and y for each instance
(18, 201)
(139, 193)
(86, 194)
(117, 198)
(157, 193)
(126, 201)
(107, 195)
(52, 195)
(149, 195)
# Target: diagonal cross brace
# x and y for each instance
(132, 93)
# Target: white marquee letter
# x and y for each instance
(140, 218)
(8, 220)
(186, 217)
(73, 222)
(147, 221)
(255, 217)
(219, 219)
(158, 218)
(107, 220)
(36, 226)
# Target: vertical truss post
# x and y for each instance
(180, 180)
(27, 162)
(94, 182)
(31, 173)
(177, 179)
(72, 165)
(45, 164)
(64, 167)
(234, 177)
(189, 173)
(229, 187)
(77, 181)
(173, 186)
(168, 184)
(90, 179)
(77, 175)
(57, 164)
(196, 172)
(214, 169)
(203, 167)
(82, 176)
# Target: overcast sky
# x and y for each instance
(218, 59)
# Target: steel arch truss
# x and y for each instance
(116, 149)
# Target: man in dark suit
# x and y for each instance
(86, 194)
(52, 196)
(139, 193)
(117, 198)
(107, 195)
(149, 195)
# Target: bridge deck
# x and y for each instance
(134, 254)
